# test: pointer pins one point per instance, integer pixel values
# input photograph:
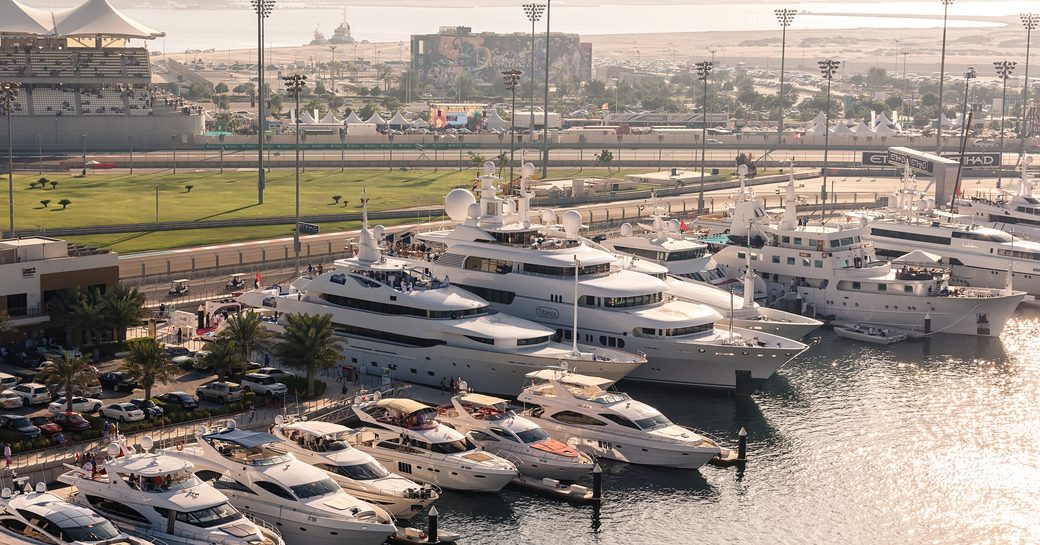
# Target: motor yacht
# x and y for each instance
(38, 517)
(405, 435)
(495, 252)
(301, 500)
(158, 496)
(577, 410)
(398, 320)
(834, 269)
(324, 445)
(496, 428)
(1016, 210)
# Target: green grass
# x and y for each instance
(109, 198)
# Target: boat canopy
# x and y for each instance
(482, 400)
(918, 257)
(569, 378)
(406, 406)
(243, 438)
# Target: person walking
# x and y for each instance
(107, 430)
(7, 453)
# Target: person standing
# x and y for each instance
(59, 439)
(7, 453)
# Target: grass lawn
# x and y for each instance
(117, 197)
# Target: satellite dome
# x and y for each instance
(673, 226)
(379, 231)
(489, 168)
(742, 170)
(571, 223)
(527, 170)
(626, 229)
(147, 443)
(473, 210)
(548, 217)
(456, 204)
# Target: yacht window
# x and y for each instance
(882, 287)
(227, 483)
(634, 301)
(338, 278)
(805, 261)
(570, 417)
(533, 340)
(617, 419)
(785, 239)
(790, 261)
(847, 241)
(275, 489)
(993, 236)
(211, 516)
(1035, 256)
(532, 435)
(498, 266)
(587, 301)
(481, 436)
(653, 422)
(364, 281)
(835, 243)
(358, 472)
(776, 259)
(797, 241)
(503, 434)
(683, 255)
(741, 255)
(484, 340)
(453, 447)
(680, 331)
(71, 525)
(908, 289)
(490, 295)
(116, 508)
(317, 488)
(856, 285)
(818, 263)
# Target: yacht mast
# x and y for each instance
(749, 284)
(574, 337)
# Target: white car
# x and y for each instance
(31, 393)
(123, 412)
(79, 405)
(262, 384)
(10, 400)
(275, 372)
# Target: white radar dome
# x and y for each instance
(147, 443)
(489, 168)
(456, 204)
(742, 170)
(571, 223)
(379, 231)
(626, 229)
(473, 210)
(548, 217)
(673, 226)
(527, 170)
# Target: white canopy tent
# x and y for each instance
(330, 119)
(352, 118)
(918, 257)
(379, 121)
(398, 121)
(884, 129)
(841, 128)
(862, 129)
(98, 17)
(18, 19)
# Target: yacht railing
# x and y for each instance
(264, 525)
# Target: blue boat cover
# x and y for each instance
(243, 438)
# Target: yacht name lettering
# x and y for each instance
(903, 159)
(547, 312)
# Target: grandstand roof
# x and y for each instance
(91, 18)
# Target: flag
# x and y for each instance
(605, 106)
(682, 226)
(475, 184)
(256, 282)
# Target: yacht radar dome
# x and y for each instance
(113, 450)
(147, 443)
(41, 487)
(626, 229)
(527, 170)
(489, 168)
(379, 231)
(548, 217)
(456, 204)
(742, 170)
(473, 210)
(571, 223)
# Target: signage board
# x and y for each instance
(308, 228)
(977, 159)
(875, 158)
(918, 164)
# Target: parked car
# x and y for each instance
(8, 381)
(151, 410)
(20, 424)
(123, 412)
(71, 421)
(45, 424)
(262, 384)
(221, 392)
(182, 400)
(118, 381)
(51, 351)
(79, 404)
(174, 351)
(32, 393)
(93, 389)
(10, 400)
(275, 372)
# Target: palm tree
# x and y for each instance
(123, 307)
(5, 322)
(222, 357)
(308, 340)
(70, 372)
(148, 364)
(87, 315)
(246, 333)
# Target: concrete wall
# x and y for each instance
(103, 132)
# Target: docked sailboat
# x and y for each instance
(577, 410)
(38, 517)
(325, 446)
(400, 320)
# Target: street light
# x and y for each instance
(785, 17)
(130, 138)
(294, 84)
(173, 138)
(8, 94)
(1004, 70)
(942, 75)
(391, 138)
(39, 153)
(1029, 21)
(512, 78)
(545, 114)
(263, 10)
(332, 69)
(969, 75)
(828, 68)
(534, 14)
(703, 73)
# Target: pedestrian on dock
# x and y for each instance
(107, 430)
(7, 453)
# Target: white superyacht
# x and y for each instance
(38, 517)
(1017, 210)
(396, 318)
(495, 252)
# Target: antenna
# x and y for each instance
(574, 337)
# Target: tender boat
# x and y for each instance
(575, 409)
(158, 496)
(404, 434)
(301, 500)
(324, 445)
(496, 428)
(870, 334)
(42, 518)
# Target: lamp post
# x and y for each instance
(969, 75)
(39, 153)
(294, 84)
(263, 10)
(83, 137)
(534, 14)
(703, 73)
(785, 17)
(391, 138)
(828, 68)
(173, 139)
(221, 138)
(1004, 70)
(545, 114)
(332, 69)
(130, 139)
(1029, 21)
(942, 75)
(512, 78)
(8, 94)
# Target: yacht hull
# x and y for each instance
(982, 277)
(299, 528)
(621, 449)
(429, 470)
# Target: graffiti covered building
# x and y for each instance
(439, 58)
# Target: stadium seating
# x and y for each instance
(54, 101)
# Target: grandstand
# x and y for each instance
(80, 77)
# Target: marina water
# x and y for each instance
(921, 442)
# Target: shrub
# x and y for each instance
(336, 198)
(189, 187)
(64, 203)
(32, 185)
(54, 185)
(45, 202)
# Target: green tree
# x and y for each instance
(336, 198)
(221, 88)
(87, 314)
(189, 187)
(223, 357)
(308, 341)
(45, 202)
(64, 203)
(476, 160)
(604, 158)
(148, 364)
(123, 307)
(68, 371)
(246, 331)
(5, 322)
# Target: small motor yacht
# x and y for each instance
(324, 445)
(38, 517)
(405, 435)
(496, 428)
(577, 410)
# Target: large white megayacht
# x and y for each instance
(395, 317)
(301, 500)
(495, 252)
(324, 445)
(577, 410)
(1014, 210)
(158, 496)
(38, 517)
(405, 435)
(496, 428)
(835, 269)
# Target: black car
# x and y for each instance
(174, 351)
(181, 400)
(151, 410)
(20, 424)
(118, 381)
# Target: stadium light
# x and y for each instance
(942, 76)
(534, 14)
(8, 94)
(294, 84)
(828, 68)
(512, 77)
(1030, 22)
(1004, 70)
(703, 74)
(785, 17)
(263, 10)
(545, 114)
